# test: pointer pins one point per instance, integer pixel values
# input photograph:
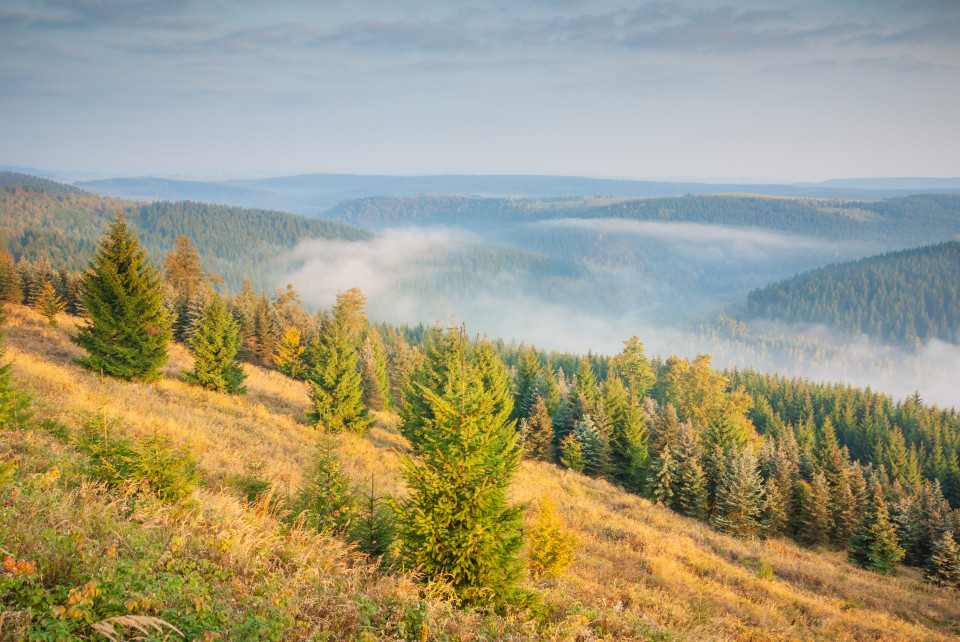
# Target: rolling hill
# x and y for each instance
(907, 296)
(220, 565)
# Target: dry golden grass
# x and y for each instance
(636, 560)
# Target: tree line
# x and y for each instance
(693, 439)
(909, 296)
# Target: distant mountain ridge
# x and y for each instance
(313, 194)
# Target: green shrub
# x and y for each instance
(152, 464)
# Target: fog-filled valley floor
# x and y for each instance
(586, 283)
(570, 274)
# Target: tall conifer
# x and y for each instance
(874, 543)
(335, 381)
(456, 521)
(944, 565)
(214, 345)
(127, 330)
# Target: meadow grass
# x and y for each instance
(641, 571)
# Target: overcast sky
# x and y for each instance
(804, 90)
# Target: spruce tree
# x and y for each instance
(663, 478)
(739, 506)
(326, 500)
(266, 332)
(335, 381)
(563, 421)
(874, 543)
(665, 430)
(775, 514)
(433, 373)
(943, 568)
(539, 442)
(691, 483)
(456, 522)
(373, 525)
(596, 450)
(48, 303)
(373, 365)
(628, 438)
(815, 517)
(288, 358)
(214, 345)
(634, 368)
(183, 274)
(571, 453)
(586, 385)
(127, 328)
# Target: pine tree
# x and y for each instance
(663, 478)
(627, 436)
(48, 303)
(326, 500)
(214, 347)
(596, 449)
(551, 547)
(373, 367)
(128, 329)
(874, 543)
(288, 358)
(775, 514)
(373, 525)
(539, 442)
(739, 506)
(586, 385)
(456, 521)
(691, 480)
(571, 453)
(634, 368)
(944, 565)
(335, 381)
(815, 516)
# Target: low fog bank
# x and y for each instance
(416, 275)
(821, 353)
(685, 268)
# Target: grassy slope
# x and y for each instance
(636, 560)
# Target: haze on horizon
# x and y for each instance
(744, 88)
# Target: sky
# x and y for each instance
(777, 91)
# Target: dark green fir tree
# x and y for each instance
(335, 381)
(539, 440)
(127, 327)
(214, 346)
(874, 544)
(944, 565)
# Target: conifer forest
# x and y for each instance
(443, 322)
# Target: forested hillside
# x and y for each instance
(900, 296)
(63, 227)
(897, 221)
(36, 184)
(526, 489)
